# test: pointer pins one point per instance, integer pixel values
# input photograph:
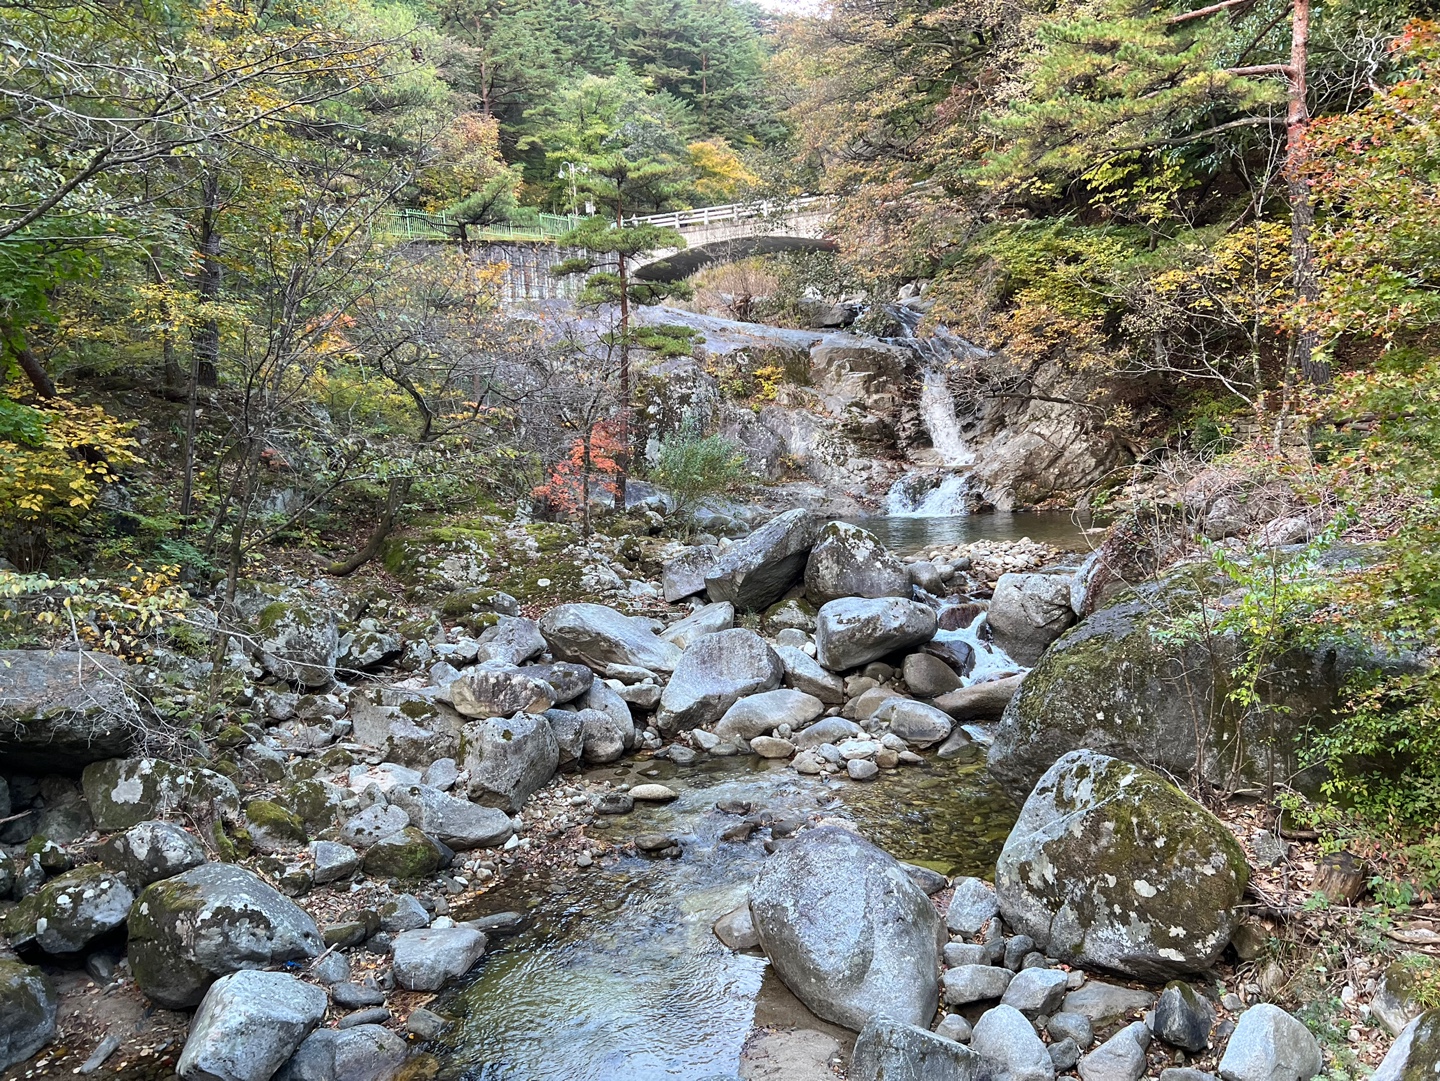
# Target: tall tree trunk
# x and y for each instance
(206, 340)
(623, 459)
(1302, 213)
(14, 339)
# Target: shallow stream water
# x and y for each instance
(617, 975)
(907, 534)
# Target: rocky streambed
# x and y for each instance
(760, 837)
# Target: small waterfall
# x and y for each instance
(908, 498)
(937, 410)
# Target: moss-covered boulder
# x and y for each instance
(366, 644)
(1415, 1055)
(796, 613)
(406, 854)
(151, 851)
(409, 727)
(70, 912)
(1112, 866)
(1119, 684)
(295, 635)
(60, 711)
(1403, 990)
(273, 828)
(28, 1005)
(188, 931)
(123, 792)
(316, 803)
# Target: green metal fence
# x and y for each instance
(422, 225)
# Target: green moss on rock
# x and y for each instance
(275, 821)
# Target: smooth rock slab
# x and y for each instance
(248, 1025)
(852, 631)
(1100, 1002)
(889, 1050)
(1004, 1036)
(490, 692)
(847, 930)
(28, 1007)
(755, 572)
(761, 713)
(425, 960)
(596, 636)
(1270, 1045)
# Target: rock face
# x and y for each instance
(888, 1050)
(512, 640)
(980, 701)
(296, 635)
(848, 561)
(1109, 686)
(151, 851)
(59, 711)
(1415, 1054)
(27, 1012)
(1270, 1045)
(189, 930)
(847, 930)
(248, 1025)
(852, 632)
(755, 572)
(1028, 612)
(1112, 866)
(708, 620)
(499, 692)
(715, 672)
(509, 759)
(125, 792)
(596, 636)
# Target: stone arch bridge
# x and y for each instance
(712, 234)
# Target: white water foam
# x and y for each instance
(946, 500)
(937, 410)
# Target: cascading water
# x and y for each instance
(908, 498)
(937, 410)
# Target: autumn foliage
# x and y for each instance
(590, 467)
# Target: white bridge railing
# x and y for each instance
(715, 215)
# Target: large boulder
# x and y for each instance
(684, 576)
(499, 692)
(980, 701)
(411, 727)
(151, 851)
(60, 711)
(847, 930)
(848, 561)
(913, 721)
(187, 931)
(1006, 1037)
(567, 679)
(248, 1025)
(295, 636)
(1114, 685)
(715, 672)
(1028, 612)
(855, 631)
(754, 573)
(719, 616)
(509, 759)
(1415, 1054)
(1112, 866)
(455, 823)
(764, 712)
(511, 640)
(889, 1050)
(125, 792)
(28, 1008)
(426, 959)
(597, 636)
(70, 911)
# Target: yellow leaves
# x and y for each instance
(60, 476)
